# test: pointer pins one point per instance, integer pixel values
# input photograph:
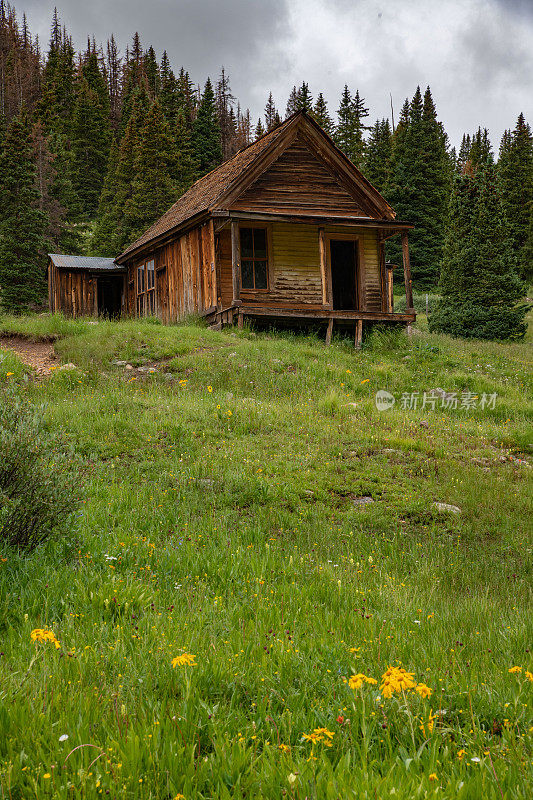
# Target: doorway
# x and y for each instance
(110, 296)
(344, 274)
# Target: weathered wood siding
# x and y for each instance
(73, 293)
(185, 275)
(295, 276)
(299, 182)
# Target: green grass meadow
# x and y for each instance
(221, 515)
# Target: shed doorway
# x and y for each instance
(110, 296)
(344, 274)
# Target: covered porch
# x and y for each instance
(370, 299)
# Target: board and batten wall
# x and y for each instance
(295, 275)
(185, 275)
(73, 293)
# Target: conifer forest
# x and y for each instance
(96, 145)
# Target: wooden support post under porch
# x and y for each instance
(407, 273)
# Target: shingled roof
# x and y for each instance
(204, 195)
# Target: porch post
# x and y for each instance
(325, 271)
(407, 272)
(235, 261)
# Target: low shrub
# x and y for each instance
(37, 479)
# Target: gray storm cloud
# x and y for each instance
(477, 55)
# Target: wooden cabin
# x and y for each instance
(288, 228)
(85, 286)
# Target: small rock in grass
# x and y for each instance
(120, 363)
(168, 376)
(353, 405)
(309, 492)
(68, 366)
(446, 508)
(128, 366)
(362, 501)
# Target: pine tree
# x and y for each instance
(226, 119)
(304, 98)
(151, 71)
(168, 95)
(481, 149)
(292, 103)
(90, 134)
(322, 116)
(360, 112)
(104, 234)
(464, 153)
(378, 155)
(22, 223)
(56, 105)
(271, 114)
(206, 133)
(479, 286)
(185, 165)
(259, 129)
(344, 131)
(152, 191)
(419, 185)
(114, 69)
(515, 179)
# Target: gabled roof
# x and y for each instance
(235, 174)
(91, 263)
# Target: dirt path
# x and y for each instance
(39, 356)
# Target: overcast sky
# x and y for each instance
(477, 55)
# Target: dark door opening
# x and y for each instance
(344, 267)
(110, 296)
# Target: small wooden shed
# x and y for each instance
(85, 286)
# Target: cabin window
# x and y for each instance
(146, 289)
(254, 258)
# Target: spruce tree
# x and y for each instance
(479, 285)
(292, 103)
(304, 99)
(152, 190)
(515, 179)
(419, 186)
(259, 129)
(151, 71)
(344, 132)
(271, 114)
(168, 95)
(322, 116)
(22, 223)
(103, 240)
(206, 133)
(90, 135)
(378, 155)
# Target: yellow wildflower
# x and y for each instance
(44, 635)
(433, 776)
(514, 670)
(47, 776)
(356, 681)
(312, 737)
(324, 732)
(185, 660)
(284, 748)
(423, 690)
(461, 754)
(529, 675)
(209, 388)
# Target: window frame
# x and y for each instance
(146, 300)
(269, 257)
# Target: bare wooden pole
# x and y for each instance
(329, 331)
(235, 260)
(407, 272)
(358, 334)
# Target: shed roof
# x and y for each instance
(90, 263)
(204, 195)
